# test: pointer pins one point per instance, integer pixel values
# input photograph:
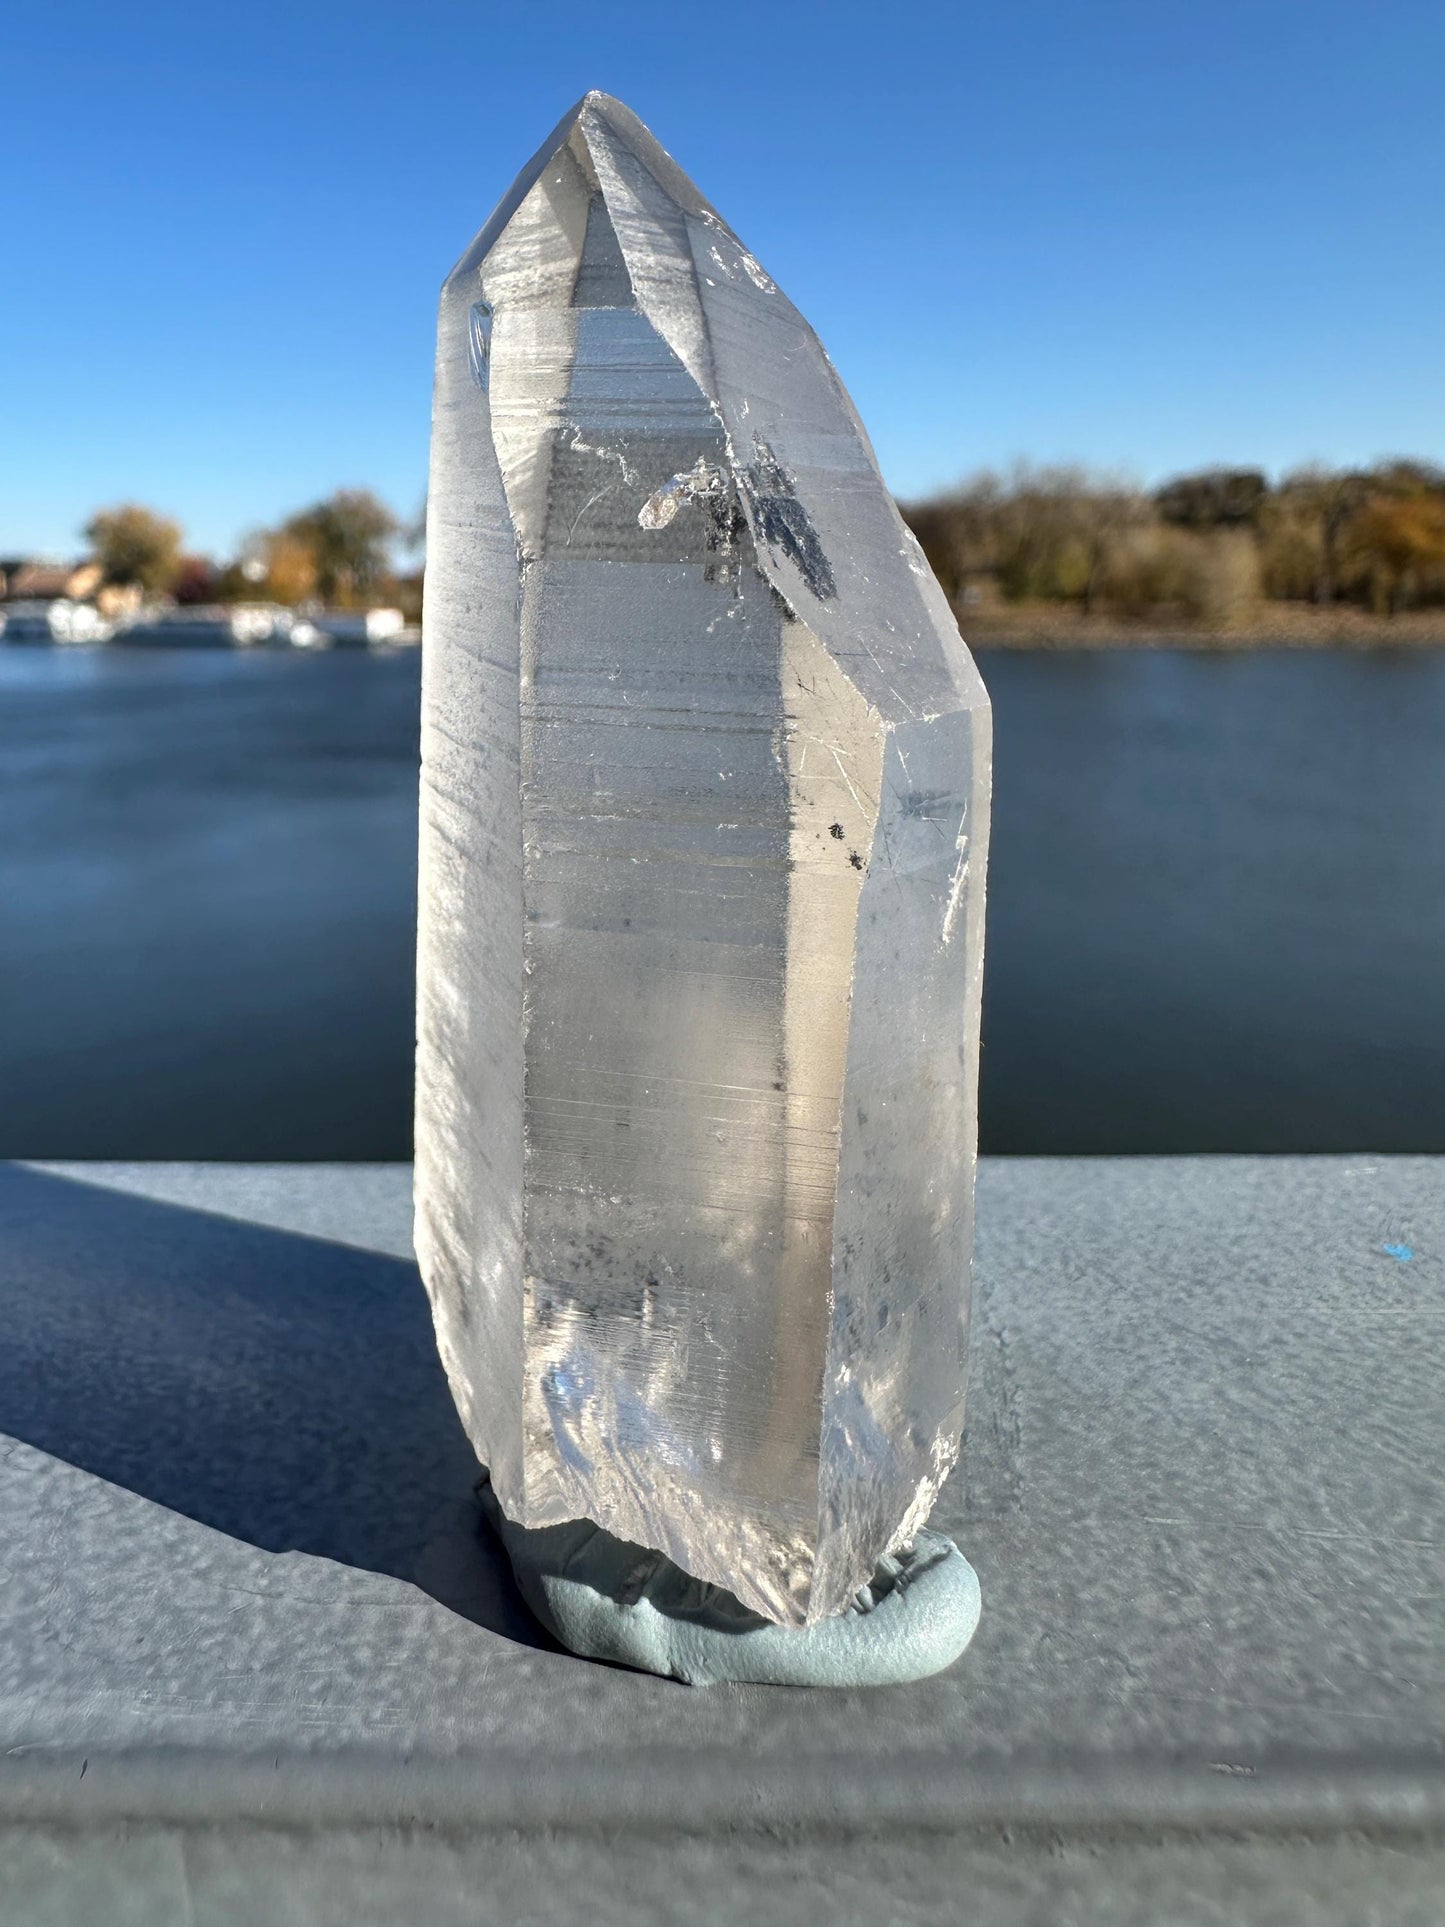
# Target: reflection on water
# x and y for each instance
(1216, 913)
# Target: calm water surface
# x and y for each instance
(208, 872)
(1216, 916)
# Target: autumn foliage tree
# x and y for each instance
(289, 568)
(1302, 531)
(348, 539)
(135, 545)
(1399, 541)
(336, 551)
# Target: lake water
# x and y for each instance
(1216, 917)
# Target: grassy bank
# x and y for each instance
(1276, 625)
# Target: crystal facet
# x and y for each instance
(704, 824)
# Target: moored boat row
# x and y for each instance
(218, 626)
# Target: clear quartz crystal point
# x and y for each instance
(703, 831)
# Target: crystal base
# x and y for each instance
(605, 1599)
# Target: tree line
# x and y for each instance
(1206, 546)
(340, 552)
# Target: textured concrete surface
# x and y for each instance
(256, 1663)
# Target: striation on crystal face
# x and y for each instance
(704, 825)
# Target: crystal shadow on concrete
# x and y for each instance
(1206, 1518)
(282, 1389)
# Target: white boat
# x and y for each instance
(360, 628)
(257, 623)
(57, 620)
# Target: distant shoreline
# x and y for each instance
(1273, 626)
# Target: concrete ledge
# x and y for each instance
(243, 1598)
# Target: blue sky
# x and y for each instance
(1150, 236)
